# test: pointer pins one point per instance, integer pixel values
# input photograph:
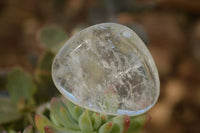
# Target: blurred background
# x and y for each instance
(169, 28)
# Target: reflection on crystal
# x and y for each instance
(107, 68)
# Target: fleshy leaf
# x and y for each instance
(137, 123)
(115, 129)
(62, 115)
(123, 121)
(50, 129)
(53, 119)
(74, 110)
(96, 120)
(20, 86)
(104, 118)
(88, 122)
(85, 122)
(68, 119)
(8, 111)
(106, 128)
(40, 122)
(45, 126)
(52, 38)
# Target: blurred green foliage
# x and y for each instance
(52, 38)
(20, 86)
(8, 110)
(27, 91)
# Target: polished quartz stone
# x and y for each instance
(107, 68)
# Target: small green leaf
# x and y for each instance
(45, 62)
(137, 123)
(8, 111)
(50, 129)
(40, 122)
(96, 120)
(123, 122)
(85, 122)
(115, 129)
(119, 120)
(69, 122)
(62, 115)
(74, 110)
(106, 128)
(104, 118)
(45, 126)
(53, 119)
(52, 38)
(20, 86)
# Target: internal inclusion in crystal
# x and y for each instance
(107, 68)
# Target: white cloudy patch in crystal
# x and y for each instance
(107, 68)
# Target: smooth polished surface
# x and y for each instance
(107, 68)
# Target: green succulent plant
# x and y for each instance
(65, 117)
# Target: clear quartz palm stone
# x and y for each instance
(107, 68)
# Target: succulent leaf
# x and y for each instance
(96, 120)
(88, 121)
(74, 110)
(62, 115)
(50, 129)
(40, 122)
(68, 119)
(53, 119)
(44, 125)
(127, 122)
(104, 118)
(85, 122)
(115, 129)
(106, 128)
(137, 123)
(119, 120)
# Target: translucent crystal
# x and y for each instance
(107, 68)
